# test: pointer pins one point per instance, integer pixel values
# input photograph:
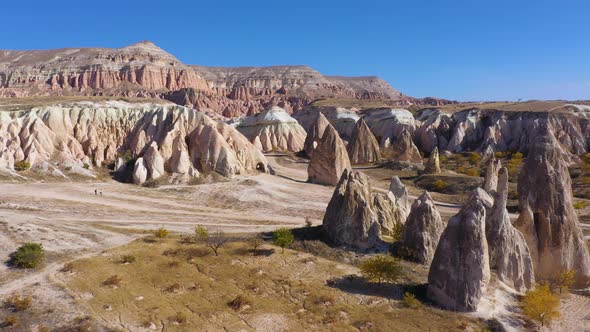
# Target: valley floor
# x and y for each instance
(74, 223)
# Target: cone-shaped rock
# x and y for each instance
(491, 179)
(405, 149)
(509, 252)
(433, 164)
(388, 212)
(401, 194)
(460, 270)
(326, 166)
(153, 161)
(140, 172)
(547, 217)
(315, 134)
(363, 147)
(423, 229)
(350, 217)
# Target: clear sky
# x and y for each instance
(464, 50)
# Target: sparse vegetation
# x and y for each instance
(18, 303)
(22, 165)
(398, 231)
(113, 281)
(255, 242)
(580, 205)
(409, 301)
(308, 222)
(282, 237)
(214, 240)
(86, 166)
(10, 321)
(541, 305)
(28, 256)
(161, 233)
(474, 158)
(239, 303)
(440, 185)
(381, 268)
(127, 259)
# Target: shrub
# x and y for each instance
(127, 259)
(86, 166)
(214, 240)
(409, 301)
(397, 231)
(565, 279)
(282, 237)
(22, 165)
(255, 242)
(541, 305)
(474, 158)
(308, 222)
(440, 184)
(113, 281)
(472, 172)
(161, 233)
(239, 302)
(381, 268)
(18, 303)
(68, 268)
(579, 205)
(10, 321)
(127, 156)
(517, 155)
(28, 256)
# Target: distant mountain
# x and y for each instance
(145, 70)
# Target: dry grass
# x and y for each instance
(237, 290)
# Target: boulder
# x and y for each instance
(423, 229)
(547, 217)
(120, 165)
(350, 217)
(460, 270)
(315, 133)
(509, 253)
(363, 147)
(433, 164)
(326, 166)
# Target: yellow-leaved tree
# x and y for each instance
(541, 305)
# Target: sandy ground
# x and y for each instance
(72, 222)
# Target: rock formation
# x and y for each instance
(433, 164)
(275, 130)
(342, 119)
(389, 123)
(423, 229)
(329, 159)
(140, 171)
(315, 133)
(547, 218)
(165, 136)
(363, 147)
(490, 182)
(397, 188)
(509, 252)
(388, 213)
(350, 216)
(460, 270)
(405, 150)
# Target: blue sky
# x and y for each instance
(464, 50)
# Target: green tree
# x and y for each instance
(28, 256)
(541, 305)
(381, 268)
(282, 237)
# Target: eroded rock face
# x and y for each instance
(350, 217)
(275, 129)
(164, 135)
(547, 218)
(423, 229)
(405, 150)
(490, 182)
(460, 270)
(329, 159)
(397, 188)
(342, 119)
(140, 172)
(363, 147)
(509, 252)
(315, 133)
(388, 213)
(433, 164)
(390, 123)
